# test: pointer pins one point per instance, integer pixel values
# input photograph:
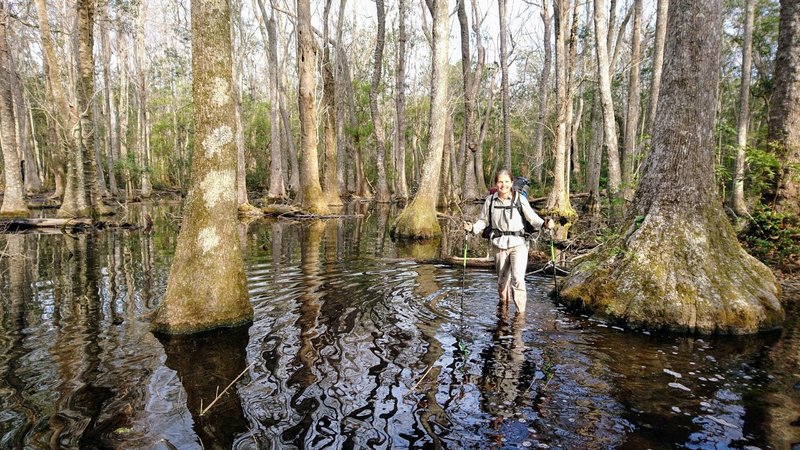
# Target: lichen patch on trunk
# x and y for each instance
(220, 92)
(218, 185)
(207, 239)
(214, 142)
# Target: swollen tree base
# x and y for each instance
(667, 275)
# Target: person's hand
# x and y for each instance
(467, 225)
(549, 223)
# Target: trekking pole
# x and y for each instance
(553, 261)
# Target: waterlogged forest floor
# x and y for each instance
(358, 344)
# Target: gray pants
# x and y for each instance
(511, 264)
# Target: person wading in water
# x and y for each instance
(505, 230)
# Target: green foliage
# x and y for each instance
(774, 238)
(761, 169)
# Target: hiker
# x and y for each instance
(506, 233)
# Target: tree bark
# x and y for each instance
(418, 219)
(400, 185)
(736, 200)
(629, 152)
(604, 78)
(784, 114)
(13, 193)
(469, 189)
(207, 286)
(382, 188)
(660, 273)
(311, 198)
(241, 166)
(544, 91)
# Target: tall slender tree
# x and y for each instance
(677, 264)
(604, 78)
(502, 6)
(382, 190)
(629, 152)
(558, 203)
(544, 92)
(418, 219)
(207, 287)
(330, 185)
(658, 61)
(400, 183)
(736, 199)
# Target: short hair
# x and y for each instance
(506, 172)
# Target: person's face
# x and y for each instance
(504, 185)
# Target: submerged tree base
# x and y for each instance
(417, 223)
(666, 275)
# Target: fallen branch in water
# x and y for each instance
(220, 394)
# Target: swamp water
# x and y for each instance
(354, 345)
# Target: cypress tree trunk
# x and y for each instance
(207, 287)
(677, 264)
(469, 188)
(418, 219)
(311, 198)
(784, 120)
(506, 99)
(85, 96)
(13, 194)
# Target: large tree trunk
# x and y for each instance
(736, 199)
(558, 203)
(382, 189)
(13, 194)
(544, 91)
(311, 198)
(400, 184)
(85, 96)
(784, 115)
(629, 149)
(343, 142)
(418, 219)
(506, 99)
(207, 286)
(330, 185)
(677, 264)
(604, 78)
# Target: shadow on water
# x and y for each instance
(355, 345)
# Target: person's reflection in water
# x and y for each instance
(507, 377)
(206, 363)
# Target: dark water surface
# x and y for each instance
(356, 346)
